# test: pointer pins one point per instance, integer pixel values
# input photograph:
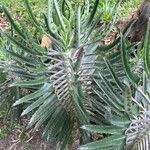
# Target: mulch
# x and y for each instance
(3, 22)
(17, 139)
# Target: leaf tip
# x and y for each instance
(83, 127)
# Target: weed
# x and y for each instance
(3, 132)
(128, 7)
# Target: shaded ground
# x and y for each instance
(14, 138)
(31, 142)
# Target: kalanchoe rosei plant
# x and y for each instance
(129, 127)
(8, 95)
(75, 80)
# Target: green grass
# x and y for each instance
(39, 7)
(3, 128)
(18, 11)
(128, 7)
(2, 56)
(17, 6)
(3, 132)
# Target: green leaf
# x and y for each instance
(45, 109)
(21, 58)
(113, 140)
(116, 79)
(32, 96)
(147, 50)
(37, 103)
(28, 50)
(78, 26)
(110, 99)
(81, 112)
(54, 121)
(55, 112)
(120, 121)
(59, 15)
(29, 83)
(104, 48)
(103, 129)
(13, 23)
(115, 94)
(127, 67)
(49, 18)
(96, 3)
(36, 23)
(92, 27)
(22, 136)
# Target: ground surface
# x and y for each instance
(31, 142)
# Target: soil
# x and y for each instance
(32, 142)
(138, 29)
(3, 22)
(16, 139)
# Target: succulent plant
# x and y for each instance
(74, 79)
